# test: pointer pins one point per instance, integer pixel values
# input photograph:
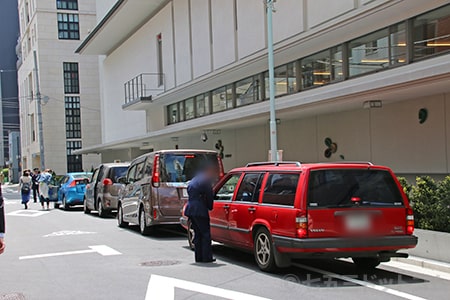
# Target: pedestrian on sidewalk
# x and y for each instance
(35, 185)
(44, 180)
(200, 202)
(25, 183)
(2, 222)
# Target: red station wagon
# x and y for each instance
(287, 210)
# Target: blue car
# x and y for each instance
(71, 189)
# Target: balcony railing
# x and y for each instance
(144, 87)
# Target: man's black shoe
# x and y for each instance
(209, 261)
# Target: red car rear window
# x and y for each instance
(338, 187)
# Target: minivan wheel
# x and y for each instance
(86, 209)
(120, 221)
(191, 235)
(143, 228)
(263, 250)
(366, 263)
(100, 210)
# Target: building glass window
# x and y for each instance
(73, 117)
(369, 53)
(222, 98)
(285, 80)
(74, 162)
(432, 32)
(316, 69)
(173, 113)
(248, 91)
(71, 79)
(202, 104)
(397, 44)
(322, 68)
(189, 108)
(336, 64)
(68, 27)
(67, 4)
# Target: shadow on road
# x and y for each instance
(300, 273)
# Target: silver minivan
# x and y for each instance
(155, 187)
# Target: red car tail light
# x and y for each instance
(409, 221)
(302, 226)
(155, 213)
(155, 175)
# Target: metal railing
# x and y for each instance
(144, 87)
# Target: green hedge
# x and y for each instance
(430, 200)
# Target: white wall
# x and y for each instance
(223, 32)
(182, 45)
(201, 42)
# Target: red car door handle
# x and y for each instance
(251, 209)
(226, 207)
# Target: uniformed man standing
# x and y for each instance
(199, 204)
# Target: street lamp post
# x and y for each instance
(273, 121)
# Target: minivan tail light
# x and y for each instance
(107, 181)
(409, 221)
(156, 169)
(73, 183)
(302, 226)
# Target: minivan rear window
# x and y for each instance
(178, 167)
(117, 172)
(337, 187)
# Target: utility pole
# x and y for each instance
(39, 114)
(273, 120)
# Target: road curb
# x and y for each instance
(425, 263)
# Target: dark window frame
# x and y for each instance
(68, 26)
(71, 78)
(74, 162)
(73, 117)
(67, 4)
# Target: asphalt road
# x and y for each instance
(68, 255)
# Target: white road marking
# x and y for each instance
(68, 232)
(100, 249)
(27, 213)
(419, 270)
(362, 283)
(163, 288)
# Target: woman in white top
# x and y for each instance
(25, 188)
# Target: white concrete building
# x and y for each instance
(68, 84)
(373, 77)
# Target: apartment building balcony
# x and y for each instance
(142, 89)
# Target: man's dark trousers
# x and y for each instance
(202, 239)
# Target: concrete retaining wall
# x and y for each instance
(432, 245)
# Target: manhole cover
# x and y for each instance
(159, 263)
(13, 296)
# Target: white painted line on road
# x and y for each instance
(68, 232)
(105, 250)
(362, 283)
(419, 270)
(27, 213)
(56, 254)
(163, 288)
(100, 249)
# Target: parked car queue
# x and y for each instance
(280, 211)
